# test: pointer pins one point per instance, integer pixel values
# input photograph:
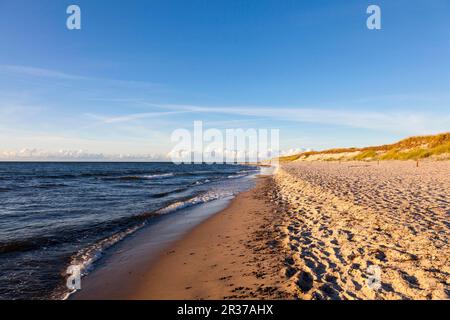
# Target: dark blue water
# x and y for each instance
(55, 214)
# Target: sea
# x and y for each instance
(53, 215)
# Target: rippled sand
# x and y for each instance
(339, 219)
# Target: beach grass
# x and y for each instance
(412, 148)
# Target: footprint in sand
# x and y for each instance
(305, 281)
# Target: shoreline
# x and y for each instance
(120, 275)
(231, 255)
(313, 231)
(223, 257)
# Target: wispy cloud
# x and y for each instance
(59, 75)
(38, 72)
(400, 122)
(131, 117)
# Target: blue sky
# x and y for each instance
(137, 70)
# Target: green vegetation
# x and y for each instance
(441, 149)
(413, 148)
(366, 155)
(289, 158)
(416, 153)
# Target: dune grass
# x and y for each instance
(413, 148)
(416, 153)
(368, 154)
(289, 158)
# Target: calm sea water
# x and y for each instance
(55, 214)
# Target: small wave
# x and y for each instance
(59, 176)
(64, 235)
(16, 246)
(164, 194)
(155, 176)
(31, 187)
(204, 173)
(106, 175)
(143, 177)
(50, 185)
(203, 198)
(27, 244)
(202, 182)
(234, 176)
(126, 178)
(94, 174)
(249, 170)
(86, 257)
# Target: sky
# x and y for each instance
(138, 70)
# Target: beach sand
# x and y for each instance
(343, 218)
(232, 255)
(318, 230)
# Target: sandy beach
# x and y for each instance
(318, 230)
(345, 217)
(232, 255)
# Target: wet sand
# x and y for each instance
(232, 255)
(117, 275)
